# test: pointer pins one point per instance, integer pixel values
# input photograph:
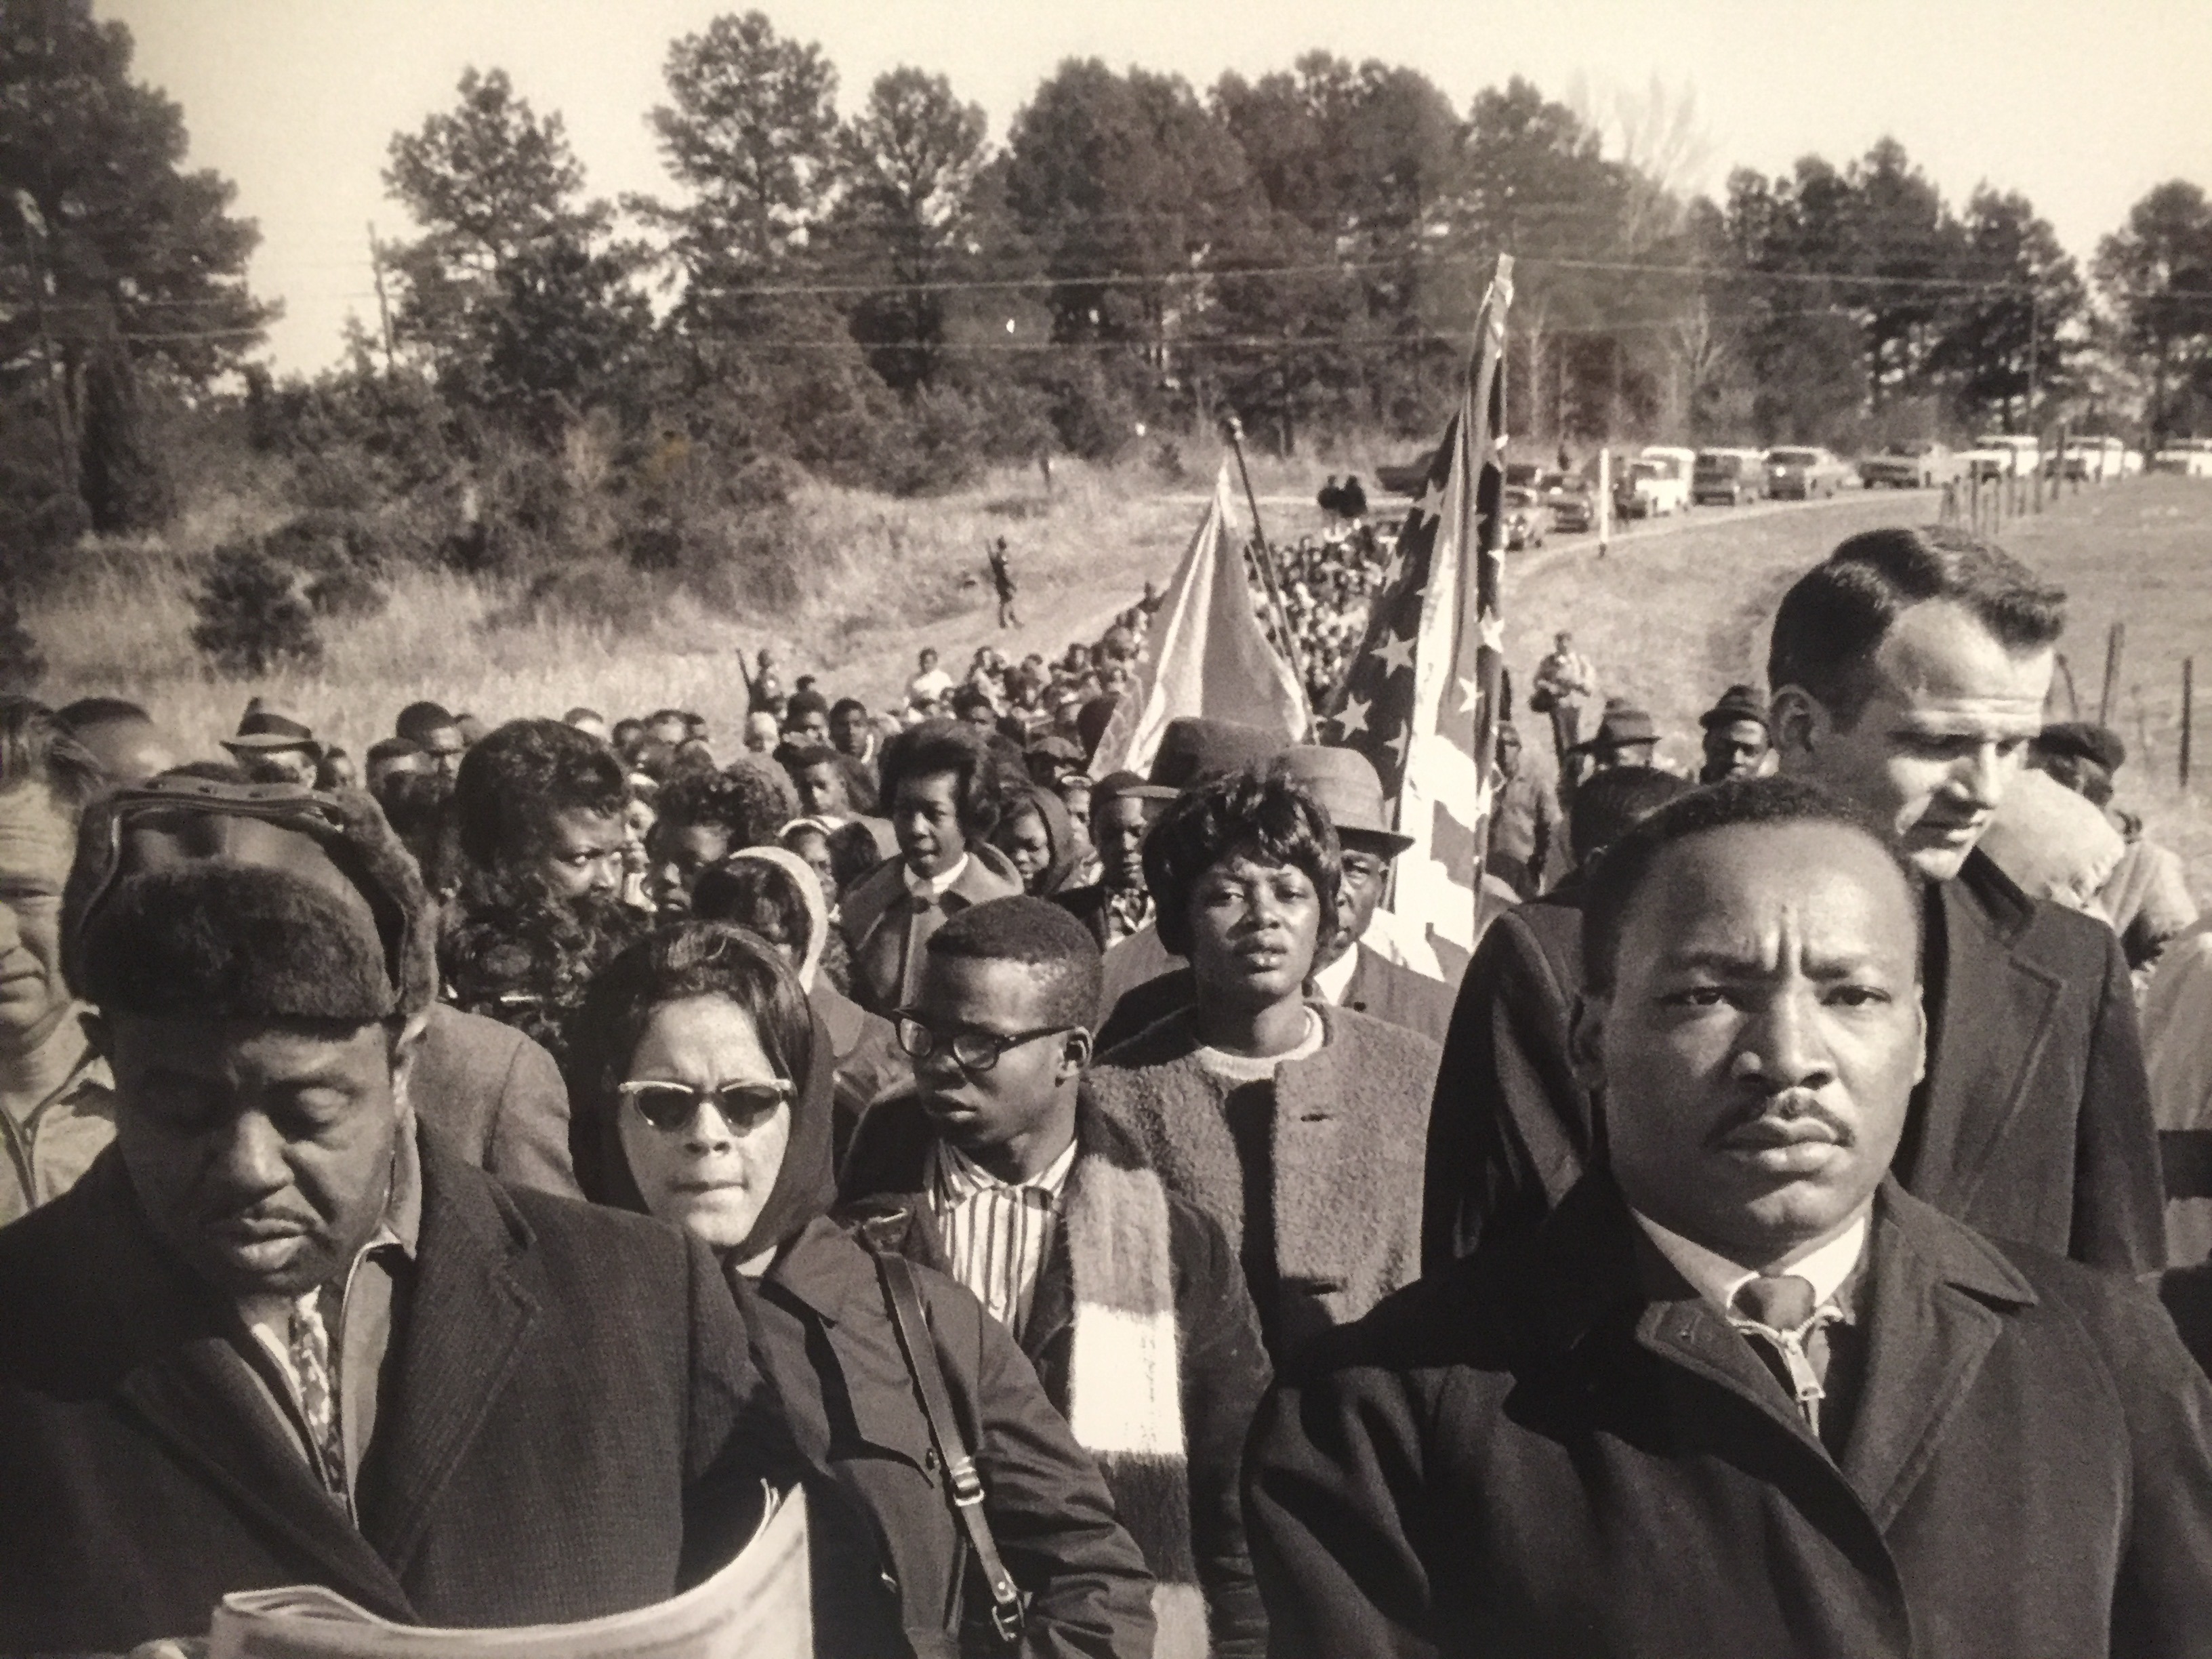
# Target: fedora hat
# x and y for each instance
(264, 728)
(1193, 749)
(1347, 787)
(1623, 725)
(1738, 702)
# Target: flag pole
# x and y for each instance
(1482, 503)
(1266, 561)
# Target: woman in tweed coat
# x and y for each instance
(1298, 1127)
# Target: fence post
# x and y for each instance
(2188, 712)
(2115, 644)
(1604, 500)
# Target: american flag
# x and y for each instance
(1420, 699)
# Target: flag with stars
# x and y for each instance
(1420, 700)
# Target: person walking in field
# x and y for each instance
(1002, 578)
(1566, 684)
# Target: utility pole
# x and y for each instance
(383, 306)
(34, 228)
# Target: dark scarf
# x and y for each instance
(805, 1185)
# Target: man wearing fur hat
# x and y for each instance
(276, 1335)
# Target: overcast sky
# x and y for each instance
(2082, 105)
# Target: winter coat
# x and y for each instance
(1313, 1174)
(1540, 1451)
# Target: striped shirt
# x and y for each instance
(996, 1234)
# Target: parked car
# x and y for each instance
(2090, 458)
(1573, 508)
(1802, 474)
(1649, 487)
(2023, 453)
(1528, 520)
(1733, 475)
(2188, 458)
(1918, 464)
(1524, 475)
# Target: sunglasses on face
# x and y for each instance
(670, 1107)
(971, 1050)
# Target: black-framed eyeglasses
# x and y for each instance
(669, 1106)
(971, 1050)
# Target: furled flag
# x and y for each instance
(1420, 699)
(1207, 655)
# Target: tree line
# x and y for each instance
(889, 297)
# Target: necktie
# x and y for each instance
(925, 915)
(309, 1339)
(1776, 1311)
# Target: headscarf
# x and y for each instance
(1059, 830)
(809, 894)
(807, 1182)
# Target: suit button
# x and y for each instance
(929, 1460)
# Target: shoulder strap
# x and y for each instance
(921, 1351)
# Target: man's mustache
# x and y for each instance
(1784, 1108)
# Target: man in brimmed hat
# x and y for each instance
(274, 747)
(1117, 905)
(1625, 736)
(276, 1333)
(1737, 738)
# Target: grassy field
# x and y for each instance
(1674, 613)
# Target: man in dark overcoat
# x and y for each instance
(1739, 1393)
(1909, 670)
(277, 1335)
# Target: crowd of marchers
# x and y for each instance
(462, 1178)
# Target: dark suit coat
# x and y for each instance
(570, 1413)
(1223, 1367)
(496, 1098)
(873, 917)
(1530, 1454)
(1087, 904)
(1378, 986)
(2035, 1122)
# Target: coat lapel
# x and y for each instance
(1929, 1327)
(468, 1311)
(199, 1397)
(1994, 1021)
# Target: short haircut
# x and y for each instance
(673, 964)
(1609, 803)
(660, 714)
(801, 703)
(946, 746)
(1057, 949)
(845, 706)
(1204, 824)
(37, 747)
(513, 782)
(418, 720)
(972, 696)
(752, 893)
(1834, 618)
(385, 749)
(739, 802)
(1776, 802)
(581, 713)
(100, 711)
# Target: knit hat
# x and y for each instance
(191, 897)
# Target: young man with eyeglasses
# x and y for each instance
(1129, 1301)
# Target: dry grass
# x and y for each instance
(889, 577)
